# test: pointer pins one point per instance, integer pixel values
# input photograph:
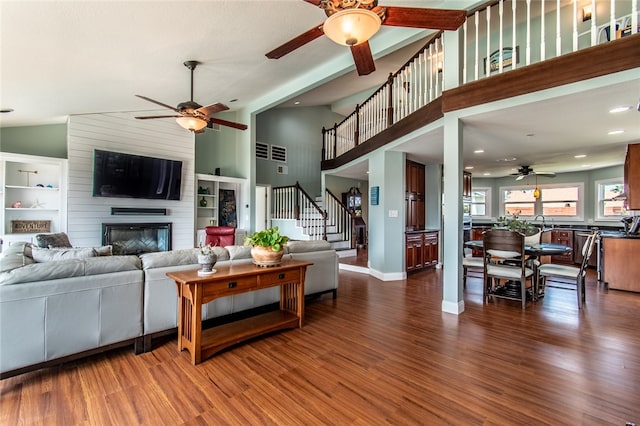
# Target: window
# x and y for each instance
(563, 201)
(519, 201)
(480, 206)
(608, 208)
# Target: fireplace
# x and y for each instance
(137, 238)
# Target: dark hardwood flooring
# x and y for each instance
(382, 353)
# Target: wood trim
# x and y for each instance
(604, 59)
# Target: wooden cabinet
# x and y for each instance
(415, 196)
(466, 185)
(476, 234)
(33, 192)
(421, 250)
(621, 268)
(632, 176)
(565, 238)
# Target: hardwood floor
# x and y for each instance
(382, 353)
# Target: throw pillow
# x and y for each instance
(52, 240)
(104, 250)
(48, 255)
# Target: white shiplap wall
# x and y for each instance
(121, 132)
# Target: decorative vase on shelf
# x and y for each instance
(203, 202)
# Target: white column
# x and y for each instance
(452, 295)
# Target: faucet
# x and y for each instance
(543, 220)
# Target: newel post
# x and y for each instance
(390, 104)
(324, 143)
(356, 133)
(335, 139)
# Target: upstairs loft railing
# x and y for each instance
(498, 37)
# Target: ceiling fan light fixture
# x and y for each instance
(191, 123)
(351, 26)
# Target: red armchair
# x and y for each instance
(220, 235)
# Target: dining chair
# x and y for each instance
(504, 259)
(553, 271)
(469, 261)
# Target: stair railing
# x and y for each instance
(293, 202)
(339, 216)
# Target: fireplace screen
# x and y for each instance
(137, 238)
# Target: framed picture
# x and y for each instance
(507, 59)
(374, 193)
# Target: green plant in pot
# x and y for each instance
(514, 223)
(267, 246)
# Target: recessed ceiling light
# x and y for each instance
(296, 103)
(478, 151)
(616, 132)
(619, 109)
(506, 160)
(6, 110)
(586, 165)
(469, 168)
(486, 174)
(580, 156)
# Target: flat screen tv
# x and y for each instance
(134, 176)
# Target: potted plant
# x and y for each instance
(267, 246)
(514, 223)
(206, 259)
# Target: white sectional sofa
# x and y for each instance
(58, 310)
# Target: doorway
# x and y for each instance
(263, 210)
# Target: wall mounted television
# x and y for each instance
(134, 176)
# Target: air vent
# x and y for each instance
(279, 153)
(262, 150)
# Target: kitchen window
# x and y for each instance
(480, 205)
(608, 207)
(562, 201)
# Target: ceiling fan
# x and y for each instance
(192, 116)
(353, 22)
(524, 171)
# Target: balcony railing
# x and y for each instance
(498, 37)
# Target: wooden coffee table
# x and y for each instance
(194, 291)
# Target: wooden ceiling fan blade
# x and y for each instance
(296, 42)
(212, 109)
(157, 103)
(414, 17)
(363, 58)
(158, 116)
(222, 122)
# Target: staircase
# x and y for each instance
(302, 218)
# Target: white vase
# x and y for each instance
(206, 262)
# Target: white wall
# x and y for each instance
(120, 132)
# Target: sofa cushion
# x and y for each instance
(307, 246)
(104, 250)
(239, 252)
(43, 271)
(15, 256)
(52, 254)
(177, 257)
(107, 264)
(56, 240)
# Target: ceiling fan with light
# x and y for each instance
(353, 22)
(524, 171)
(192, 116)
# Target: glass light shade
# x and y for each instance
(536, 192)
(191, 123)
(351, 26)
